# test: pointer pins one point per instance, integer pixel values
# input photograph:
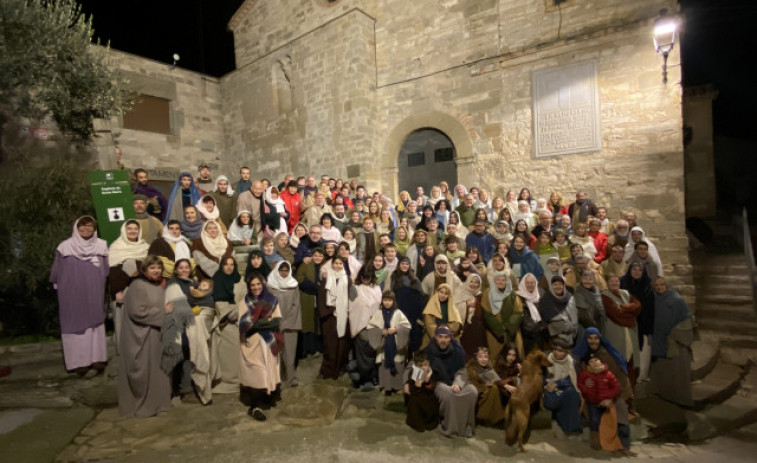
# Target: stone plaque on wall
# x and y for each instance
(566, 109)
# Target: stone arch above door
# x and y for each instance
(440, 121)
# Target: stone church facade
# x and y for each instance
(336, 87)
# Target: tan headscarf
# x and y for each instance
(434, 306)
(215, 246)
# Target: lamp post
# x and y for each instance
(665, 34)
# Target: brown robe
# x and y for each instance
(151, 228)
(143, 388)
(474, 333)
(336, 350)
(490, 408)
(227, 207)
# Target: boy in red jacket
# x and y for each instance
(599, 388)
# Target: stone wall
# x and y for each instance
(701, 191)
(309, 107)
(196, 121)
(335, 89)
(465, 68)
(640, 165)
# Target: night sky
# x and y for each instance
(715, 44)
(156, 29)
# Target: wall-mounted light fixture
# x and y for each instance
(665, 34)
(176, 59)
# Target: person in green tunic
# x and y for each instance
(503, 312)
(308, 276)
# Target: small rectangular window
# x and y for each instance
(149, 114)
(443, 154)
(416, 159)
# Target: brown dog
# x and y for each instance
(530, 389)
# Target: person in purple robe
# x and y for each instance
(156, 202)
(78, 274)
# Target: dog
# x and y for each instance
(530, 390)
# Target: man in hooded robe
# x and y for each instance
(226, 200)
(183, 194)
(442, 275)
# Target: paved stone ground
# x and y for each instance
(48, 415)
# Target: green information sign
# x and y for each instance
(113, 200)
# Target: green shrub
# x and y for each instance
(39, 206)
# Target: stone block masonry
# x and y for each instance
(195, 114)
(319, 88)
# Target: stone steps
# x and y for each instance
(726, 312)
(719, 385)
(726, 299)
(723, 258)
(735, 412)
(738, 355)
(705, 355)
(703, 277)
(714, 267)
(718, 323)
(728, 339)
(738, 288)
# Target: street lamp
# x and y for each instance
(665, 32)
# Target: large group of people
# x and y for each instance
(438, 297)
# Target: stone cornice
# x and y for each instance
(240, 14)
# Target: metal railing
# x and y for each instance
(745, 236)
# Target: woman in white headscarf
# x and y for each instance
(332, 302)
(210, 249)
(171, 247)
(468, 302)
(282, 284)
(637, 235)
(241, 229)
(124, 257)
(126, 254)
(533, 329)
(503, 313)
(78, 274)
(524, 213)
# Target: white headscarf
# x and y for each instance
(90, 249)
(276, 282)
(464, 294)
(362, 308)
(181, 248)
(229, 190)
(336, 296)
(212, 215)
(497, 296)
(562, 368)
(215, 246)
(237, 233)
(123, 249)
(653, 254)
(276, 202)
(531, 297)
